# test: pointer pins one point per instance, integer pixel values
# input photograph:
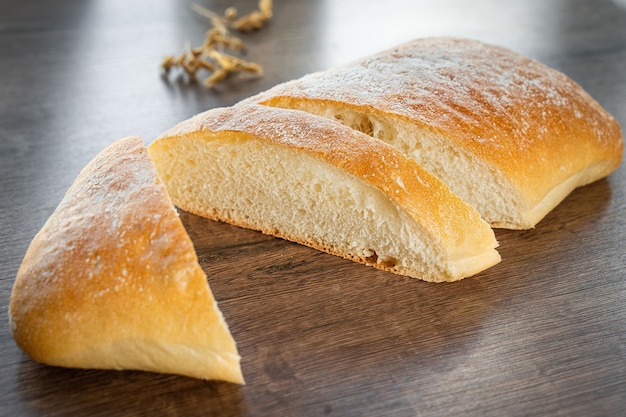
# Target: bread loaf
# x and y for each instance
(509, 135)
(112, 280)
(319, 183)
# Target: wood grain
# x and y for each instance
(542, 333)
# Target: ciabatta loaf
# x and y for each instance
(112, 280)
(319, 183)
(508, 134)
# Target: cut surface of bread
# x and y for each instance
(319, 183)
(508, 134)
(112, 280)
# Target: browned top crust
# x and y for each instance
(530, 121)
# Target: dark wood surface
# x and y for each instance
(543, 333)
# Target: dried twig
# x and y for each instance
(254, 20)
(210, 56)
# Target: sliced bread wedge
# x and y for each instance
(319, 183)
(112, 280)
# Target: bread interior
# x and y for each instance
(485, 188)
(296, 196)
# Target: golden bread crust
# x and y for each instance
(514, 114)
(112, 280)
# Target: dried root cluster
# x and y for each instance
(211, 55)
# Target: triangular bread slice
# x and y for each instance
(508, 134)
(112, 280)
(319, 183)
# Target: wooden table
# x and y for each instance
(543, 333)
